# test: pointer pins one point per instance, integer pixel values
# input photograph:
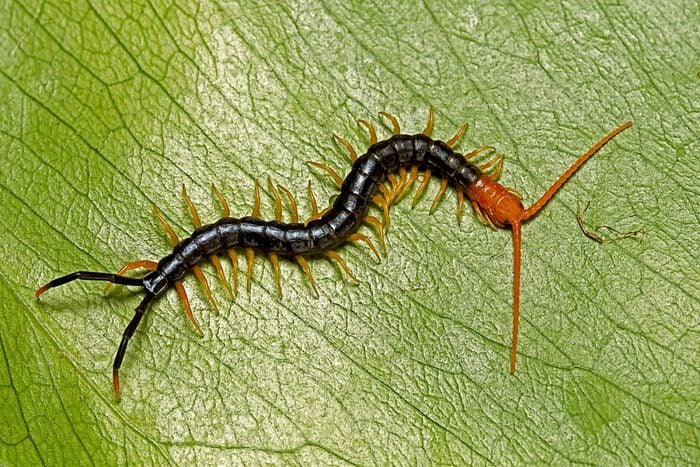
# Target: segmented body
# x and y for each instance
(364, 185)
(368, 172)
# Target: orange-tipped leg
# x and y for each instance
(207, 290)
(531, 211)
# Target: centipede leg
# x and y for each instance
(443, 187)
(329, 170)
(233, 256)
(452, 141)
(460, 203)
(278, 200)
(431, 121)
(378, 227)
(312, 201)
(351, 151)
(396, 128)
(188, 309)
(214, 259)
(276, 267)
(370, 128)
(305, 267)
(364, 238)
(498, 160)
(250, 257)
(292, 205)
(256, 200)
(169, 230)
(515, 229)
(413, 174)
(477, 151)
(126, 336)
(423, 184)
(333, 256)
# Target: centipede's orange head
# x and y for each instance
(499, 204)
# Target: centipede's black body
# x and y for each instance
(361, 184)
(493, 203)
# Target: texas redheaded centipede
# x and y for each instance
(324, 231)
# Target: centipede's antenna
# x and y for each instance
(88, 276)
(539, 204)
(531, 211)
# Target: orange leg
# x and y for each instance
(423, 184)
(334, 175)
(292, 205)
(333, 256)
(411, 179)
(305, 267)
(188, 309)
(370, 128)
(460, 203)
(443, 187)
(431, 121)
(378, 227)
(452, 141)
(278, 200)
(276, 267)
(348, 147)
(364, 238)
(394, 122)
(256, 201)
(217, 264)
(476, 151)
(169, 230)
(312, 200)
(250, 256)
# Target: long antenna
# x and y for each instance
(531, 211)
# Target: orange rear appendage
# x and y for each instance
(503, 208)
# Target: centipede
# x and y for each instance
(377, 179)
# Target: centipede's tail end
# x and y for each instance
(40, 291)
(515, 229)
(115, 383)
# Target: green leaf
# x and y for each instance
(106, 110)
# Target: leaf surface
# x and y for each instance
(106, 110)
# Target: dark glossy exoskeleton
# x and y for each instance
(395, 161)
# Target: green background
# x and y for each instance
(106, 110)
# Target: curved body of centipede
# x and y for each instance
(396, 160)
